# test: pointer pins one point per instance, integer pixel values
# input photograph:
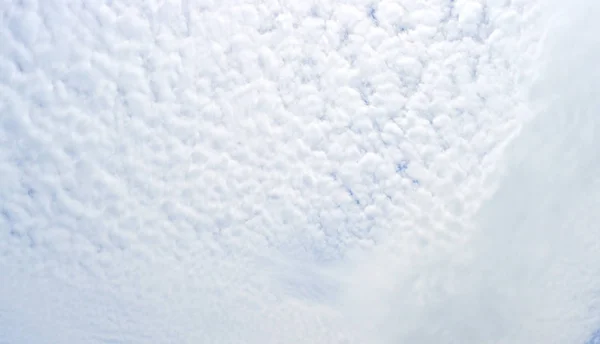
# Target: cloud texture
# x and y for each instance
(298, 171)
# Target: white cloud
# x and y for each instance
(300, 172)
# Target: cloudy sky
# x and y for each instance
(281, 171)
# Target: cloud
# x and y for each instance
(269, 172)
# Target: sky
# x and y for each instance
(278, 171)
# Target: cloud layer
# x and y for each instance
(298, 172)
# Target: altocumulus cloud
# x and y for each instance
(393, 171)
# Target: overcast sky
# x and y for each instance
(281, 171)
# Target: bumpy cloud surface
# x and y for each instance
(332, 171)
